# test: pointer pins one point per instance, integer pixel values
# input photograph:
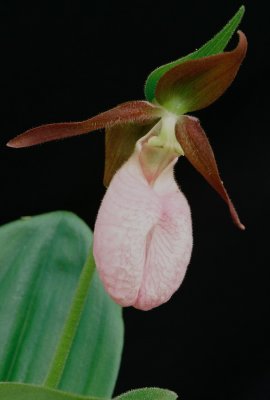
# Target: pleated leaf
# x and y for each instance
(18, 391)
(40, 262)
(214, 46)
(15, 391)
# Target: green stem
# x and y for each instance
(70, 328)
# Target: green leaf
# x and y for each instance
(148, 394)
(214, 46)
(40, 263)
(19, 391)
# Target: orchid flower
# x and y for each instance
(143, 232)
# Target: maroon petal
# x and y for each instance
(132, 111)
(196, 84)
(120, 142)
(198, 150)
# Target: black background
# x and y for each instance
(69, 61)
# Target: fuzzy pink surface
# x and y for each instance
(142, 237)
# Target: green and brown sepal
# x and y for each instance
(214, 46)
(196, 84)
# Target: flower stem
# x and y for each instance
(70, 328)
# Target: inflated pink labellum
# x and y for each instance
(196, 84)
(132, 111)
(142, 236)
(198, 151)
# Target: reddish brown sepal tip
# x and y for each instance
(198, 151)
(133, 111)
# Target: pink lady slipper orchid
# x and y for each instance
(143, 231)
(144, 224)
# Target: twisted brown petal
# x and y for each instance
(120, 142)
(198, 151)
(132, 111)
(196, 84)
